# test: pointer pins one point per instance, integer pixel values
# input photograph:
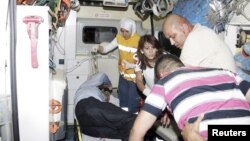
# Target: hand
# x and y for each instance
(191, 130)
(128, 65)
(165, 121)
(95, 48)
(146, 91)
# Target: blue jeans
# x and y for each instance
(129, 95)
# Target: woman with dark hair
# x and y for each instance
(148, 51)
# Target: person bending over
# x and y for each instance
(187, 92)
(200, 46)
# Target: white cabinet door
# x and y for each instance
(33, 83)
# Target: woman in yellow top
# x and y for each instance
(127, 41)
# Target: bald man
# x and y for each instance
(200, 46)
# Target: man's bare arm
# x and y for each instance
(143, 123)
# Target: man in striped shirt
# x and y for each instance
(187, 92)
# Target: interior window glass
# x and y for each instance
(98, 34)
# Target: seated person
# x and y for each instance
(187, 92)
(96, 116)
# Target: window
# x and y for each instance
(98, 34)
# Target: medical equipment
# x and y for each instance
(159, 8)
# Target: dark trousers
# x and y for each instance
(103, 119)
(129, 95)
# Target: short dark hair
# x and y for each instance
(167, 62)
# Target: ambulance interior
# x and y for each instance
(68, 41)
